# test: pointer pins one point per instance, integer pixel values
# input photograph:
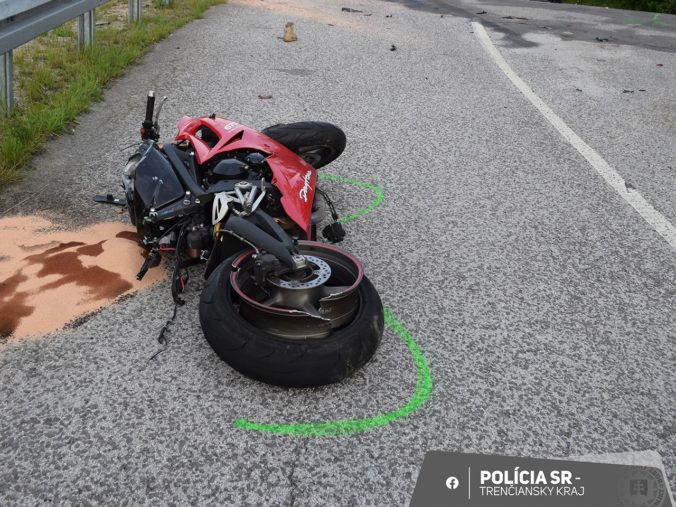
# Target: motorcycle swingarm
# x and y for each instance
(260, 231)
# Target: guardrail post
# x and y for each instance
(86, 29)
(134, 11)
(6, 83)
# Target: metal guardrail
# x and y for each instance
(23, 20)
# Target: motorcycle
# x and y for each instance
(278, 305)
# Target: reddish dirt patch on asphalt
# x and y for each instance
(49, 277)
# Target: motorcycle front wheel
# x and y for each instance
(304, 332)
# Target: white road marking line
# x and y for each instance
(656, 220)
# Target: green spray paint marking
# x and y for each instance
(423, 389)
(423, 385)
(655, 20)
(362, 184)
(641, 22)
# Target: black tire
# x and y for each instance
(317, 142)
(284, 361)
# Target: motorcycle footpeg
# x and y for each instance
(110, 199)
(334, 233)
(152, 260)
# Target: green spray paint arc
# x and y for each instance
(654, 21)
(361, 184)
(423, 386)
(423, 389)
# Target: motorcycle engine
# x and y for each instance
(237, 166)
(229, 168)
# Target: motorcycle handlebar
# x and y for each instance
(150, 107)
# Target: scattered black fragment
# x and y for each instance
(334, 232)
(331, 24)
(347, 9)
(393, 48)
(390, 15)
(482, 12)
(442, 16)
(627, 91)
(600, 39)
(641, 89)
(514, 17)
(629, 185)
(368, 14)
(578, 89)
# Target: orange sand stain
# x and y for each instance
(49, 277)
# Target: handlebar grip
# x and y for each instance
(150, 107)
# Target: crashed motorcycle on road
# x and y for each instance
(278, 305)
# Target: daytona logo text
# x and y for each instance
(306, 186)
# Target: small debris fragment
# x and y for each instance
(660, 65)
(390, 15)
(442, 16)
(641, 89)
(627, 91)
(514, 17)
(393, 48)
(482, 12)
(289, 33)
(331, 24)
(578, 89)
(347, 9)
(369, 14)
(629, 186)
(265, 97)
(600, 39)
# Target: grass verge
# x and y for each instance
(54, 82)
(663, 6)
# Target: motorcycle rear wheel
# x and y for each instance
(284, 361)
(318, 143)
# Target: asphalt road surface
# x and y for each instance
(542, 301)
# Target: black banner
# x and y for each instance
(476, 480)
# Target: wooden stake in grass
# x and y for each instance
(289, 33)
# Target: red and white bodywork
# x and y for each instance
(293, 176)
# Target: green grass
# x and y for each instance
(663, 6)
(54, 82)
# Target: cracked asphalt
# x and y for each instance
(544, 304)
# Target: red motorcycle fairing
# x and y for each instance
(293, 176)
